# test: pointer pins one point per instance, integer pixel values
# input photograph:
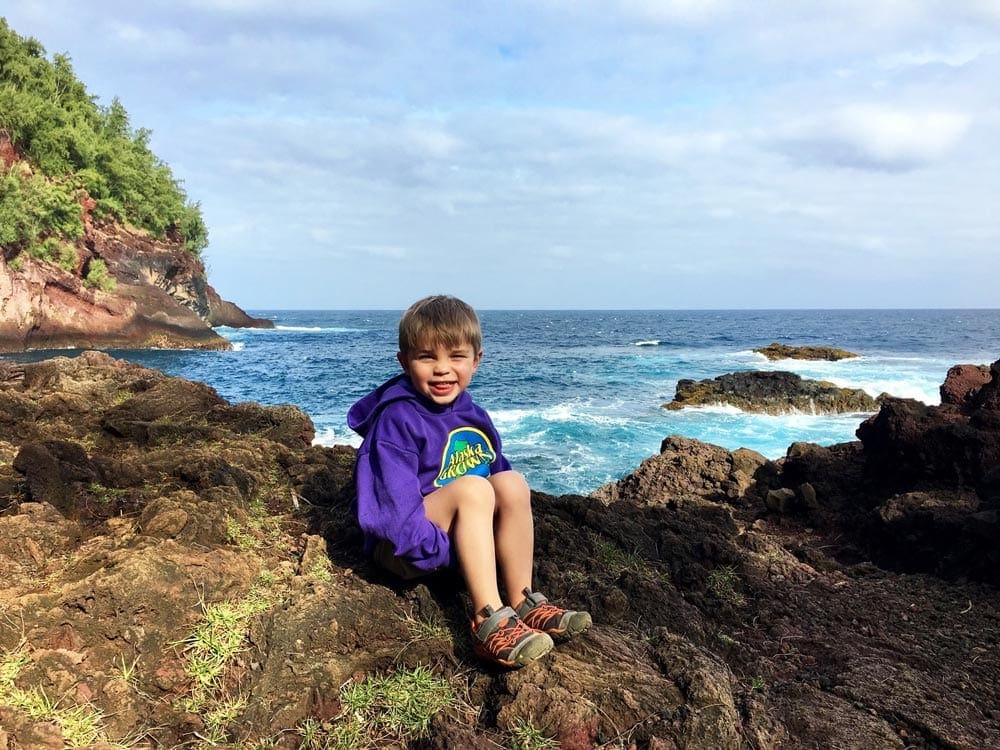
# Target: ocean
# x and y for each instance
(576, 395)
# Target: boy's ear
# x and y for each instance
(479, 358)
(401, 358)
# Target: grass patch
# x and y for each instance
(526, 736)
(723, 583)
(426, 628)
(394, 708)
(615, 560)
(240, 535)
(81, 725)
(211, 651)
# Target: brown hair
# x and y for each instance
(439, 319)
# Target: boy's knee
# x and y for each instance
(511, 489)
(474, 489)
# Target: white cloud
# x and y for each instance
(873, 136)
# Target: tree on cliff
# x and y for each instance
(75, 149)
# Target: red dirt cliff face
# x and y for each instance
(161, 299)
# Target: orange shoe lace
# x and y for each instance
(541, 614)
(506, 636)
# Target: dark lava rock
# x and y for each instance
(859, 611)
(783, 351)
(772, 393)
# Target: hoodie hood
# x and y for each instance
(363, 414)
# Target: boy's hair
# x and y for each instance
(439, 319)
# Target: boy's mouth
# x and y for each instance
(441, 387)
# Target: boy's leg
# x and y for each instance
(464, 508)
(515, 545)
(515, 533)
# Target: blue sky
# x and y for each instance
(673, 154)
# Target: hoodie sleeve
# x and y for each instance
(500, 463)
(391, 507)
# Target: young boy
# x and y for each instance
(434, 488)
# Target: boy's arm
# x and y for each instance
(391, 506)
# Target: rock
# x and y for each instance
(963, 383)
(808, 494)
(781, 500)
(775, 351)
(771, 393)
(686, 468)
(162, 298)
(717, 624)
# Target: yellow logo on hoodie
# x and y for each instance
(468, 451)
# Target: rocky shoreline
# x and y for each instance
(841, 597)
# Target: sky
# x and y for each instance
(679, 154)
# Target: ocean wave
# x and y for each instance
(558, 413)
(650, 342)
(328, 437)
(317, 329)
(239, 346)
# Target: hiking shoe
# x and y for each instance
(504, 639)
(562, 624)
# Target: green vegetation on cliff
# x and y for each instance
(76, 148)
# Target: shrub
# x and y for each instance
(99, 278)
(57, 125)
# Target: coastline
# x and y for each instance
(136, 504)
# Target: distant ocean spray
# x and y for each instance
(576, 395)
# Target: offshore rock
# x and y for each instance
(771, 393)
(775, 351)
(132, 504)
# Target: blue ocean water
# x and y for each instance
(576, 395)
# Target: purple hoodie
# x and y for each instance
(411, 447)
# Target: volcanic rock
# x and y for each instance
(776, 351)
(138, 505)
(963, 383)
(771, 393)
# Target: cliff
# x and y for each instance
(181, 571)
(99, 244)
(159, 297)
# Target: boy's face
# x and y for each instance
(440, 372)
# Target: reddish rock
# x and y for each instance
(963, 383)
(162, 298)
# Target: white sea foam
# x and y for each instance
(651, 342)
(578, 412)
(318, 329)
(239, 346)
(328, 436)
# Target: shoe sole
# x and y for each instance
(577, 624)
(530, 650)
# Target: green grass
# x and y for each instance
(81, 725)
(526, 736)
(210, 651)
(723, 583)
(394, 708)
(426, 628)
